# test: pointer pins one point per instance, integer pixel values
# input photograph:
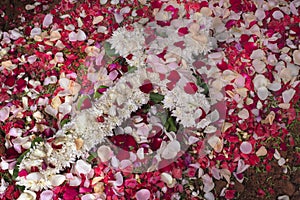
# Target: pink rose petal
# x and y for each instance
(143, 194)
(4, 113)
(48, 20)
(246, 147)
(46, 195)
(113, 75)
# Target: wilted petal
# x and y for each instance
(246, 147)
(216, 143)
(46, 195)
(48, 20)
(262, 151)
(143, 194)
(98, 19)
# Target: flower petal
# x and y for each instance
(246, 147)
(48, 20)
(82, 167)
(46, 195)
(57, 180)
(143, 194)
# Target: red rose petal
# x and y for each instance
(190, 88)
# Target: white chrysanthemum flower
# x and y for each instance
(126, 42)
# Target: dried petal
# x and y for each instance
(262, 151)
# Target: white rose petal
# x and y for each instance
(243, 114)
(104, 153)
(296, 57)
(167, 178)
(281, 161)
(27, 195)
(263, 93)
(288, 95)
(277, 14)
(246, 147)
(57, 180)
(171, 150)
(258, 54)
(35, 31)
(82, 167)
(4, 113)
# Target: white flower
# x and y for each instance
(126, 42)
(3, 187)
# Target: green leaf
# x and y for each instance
(156, 98)
(131, 69)
(64, 121)
(16, 169)
(172, 124)
(97, 94)
(36, 140)
(109, 50)
(91, 157)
